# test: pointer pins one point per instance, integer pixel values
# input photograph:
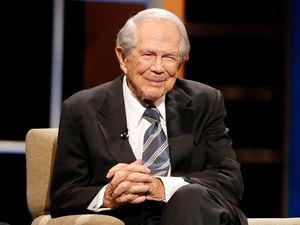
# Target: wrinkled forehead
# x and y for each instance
(157, 28)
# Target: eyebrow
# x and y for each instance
(153, 51)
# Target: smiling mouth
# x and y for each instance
(155, 82)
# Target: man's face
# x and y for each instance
(151, 66)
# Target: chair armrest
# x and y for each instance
(86, 219)
(274, 221)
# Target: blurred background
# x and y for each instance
(247, 49)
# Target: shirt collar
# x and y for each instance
(135, 110)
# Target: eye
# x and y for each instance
(170, 57)
(147, 55)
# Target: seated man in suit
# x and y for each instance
(148, 147)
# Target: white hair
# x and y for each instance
(127, 36)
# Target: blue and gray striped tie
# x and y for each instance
(155, 149)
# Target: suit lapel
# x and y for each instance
(112, 122)
(180, 121)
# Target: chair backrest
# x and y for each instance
(40, 149)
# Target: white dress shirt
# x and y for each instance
(137, 126)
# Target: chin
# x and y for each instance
(153, 98)
(152, 93)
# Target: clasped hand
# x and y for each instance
(131, 183)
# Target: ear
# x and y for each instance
(183, 61)
(186, 58)
(121, 58)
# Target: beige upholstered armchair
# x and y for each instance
(40, 146)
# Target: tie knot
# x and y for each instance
(152, 115)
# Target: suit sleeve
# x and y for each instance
(71, 190)
(221, 174)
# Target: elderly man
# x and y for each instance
(148, 147)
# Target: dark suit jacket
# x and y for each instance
(89, 144)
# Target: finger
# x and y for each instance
(130, 198)
(119, 176)
(136, 167)
(137, 162)
(119, 173)
(139, 189)
(114, 169)
(130, 188)
(133, 167)
(138, 199)
(139, 178)
(122, 188)
(125, 198)
(134, 177)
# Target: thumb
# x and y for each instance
(137, 162)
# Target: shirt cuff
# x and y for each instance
(171, 185)
(97, 202)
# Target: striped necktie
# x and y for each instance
(155, 148)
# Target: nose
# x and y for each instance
(157, 66)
